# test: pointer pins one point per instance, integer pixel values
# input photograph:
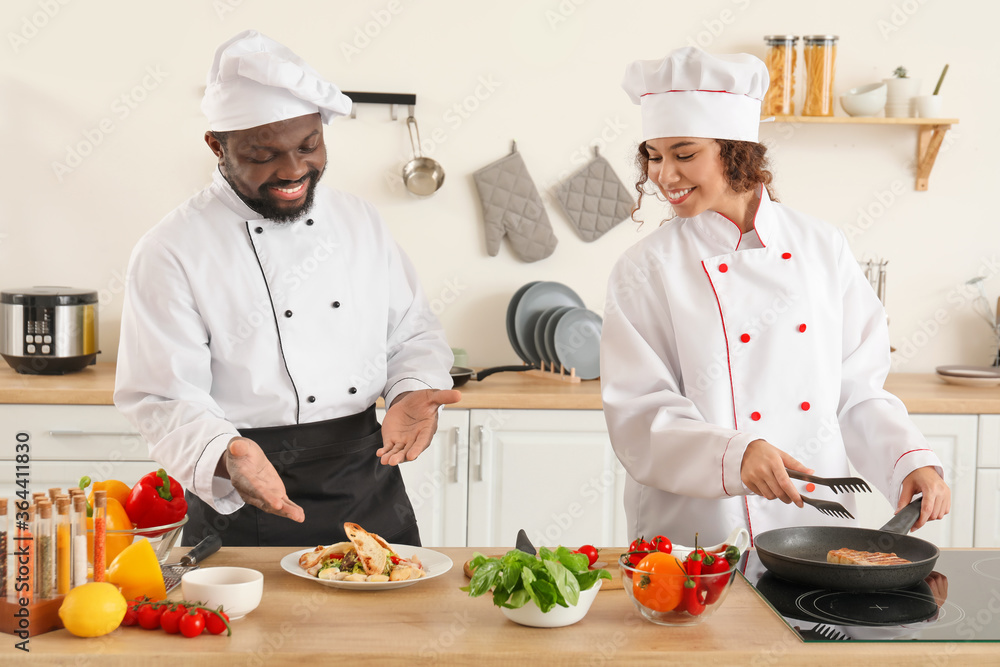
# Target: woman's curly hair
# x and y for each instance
(744, 165)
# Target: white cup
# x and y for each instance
(928, 106)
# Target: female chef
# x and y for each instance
(742, 338)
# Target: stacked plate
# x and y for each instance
(547, 322)
(970, 376)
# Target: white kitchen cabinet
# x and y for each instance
(988, 483)
(437, 482)
(953, 438)
(70, 441)
(550, 472)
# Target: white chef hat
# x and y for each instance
(254, 81)
(691, 93)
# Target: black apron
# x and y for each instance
(329, 468)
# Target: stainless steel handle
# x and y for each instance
(483, 438)
(86, 433)
(453, 466)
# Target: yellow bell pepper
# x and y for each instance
(136, 571)
(117, 519)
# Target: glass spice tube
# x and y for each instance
(53, 494)
(63, 546)
(79, 521)
(25, 564)
(100, 533)
(45, 564)
(819, 53)
(3, 548)
(780, 61)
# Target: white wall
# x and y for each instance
(551, 70)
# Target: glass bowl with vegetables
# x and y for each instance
(677, 585)
(154, 509)
(550, 590)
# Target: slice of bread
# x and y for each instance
(373, 552)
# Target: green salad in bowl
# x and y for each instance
(559, 585)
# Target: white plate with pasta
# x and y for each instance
(434, 564)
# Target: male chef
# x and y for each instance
(263, 318)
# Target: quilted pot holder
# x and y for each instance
(513, 208)
(594, 199)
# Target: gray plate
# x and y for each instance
(969, 371)
(511, 310)
(550, 333)
(535, 300)
(540, 323)
(578, 342)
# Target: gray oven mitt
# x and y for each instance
(512, 207)
(594, 199)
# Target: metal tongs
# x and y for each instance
(838, 484)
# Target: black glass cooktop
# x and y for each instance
(959, 601)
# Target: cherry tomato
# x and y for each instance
(171, 618)
(590, 552)
(149, 616)
(192, 623)
(663, 544)
(131, 613)
(214, 623)
(658, 582)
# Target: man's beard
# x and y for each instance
(265, 204)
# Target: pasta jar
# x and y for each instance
(780, 60)
(819, 53)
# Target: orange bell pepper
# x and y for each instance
(114, 488)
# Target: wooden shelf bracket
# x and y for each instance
(928, 144)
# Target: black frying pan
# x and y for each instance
(799, 554)
(461, 375)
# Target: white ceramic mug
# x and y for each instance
(927, 106)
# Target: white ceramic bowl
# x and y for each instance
(237, 589)
(556, 617)
(865, 100)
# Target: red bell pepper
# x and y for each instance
(156, 500)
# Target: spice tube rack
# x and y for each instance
(36, 618)
(930, 135)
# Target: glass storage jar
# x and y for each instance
(780, 61)
(819, 53)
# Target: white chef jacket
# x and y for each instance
(708, 345)
(234, 321)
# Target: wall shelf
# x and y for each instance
(930, 134)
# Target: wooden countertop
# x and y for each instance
(920, 392)
(434, 623)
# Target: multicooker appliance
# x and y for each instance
(48, 330)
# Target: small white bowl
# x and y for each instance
(864, 100)
(556, 617)
(237, 589)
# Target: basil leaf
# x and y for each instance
(484, 578)
(545, 594)
(564, 581)
(589, 578)
(573, 562)
(518, 599)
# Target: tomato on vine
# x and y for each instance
(192, 623)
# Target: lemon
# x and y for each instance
(93, 609)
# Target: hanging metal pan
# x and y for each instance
(799, 554)
(422, 176)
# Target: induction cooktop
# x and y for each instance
(959, 601)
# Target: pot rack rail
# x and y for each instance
(409, 100)
(930, 135)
